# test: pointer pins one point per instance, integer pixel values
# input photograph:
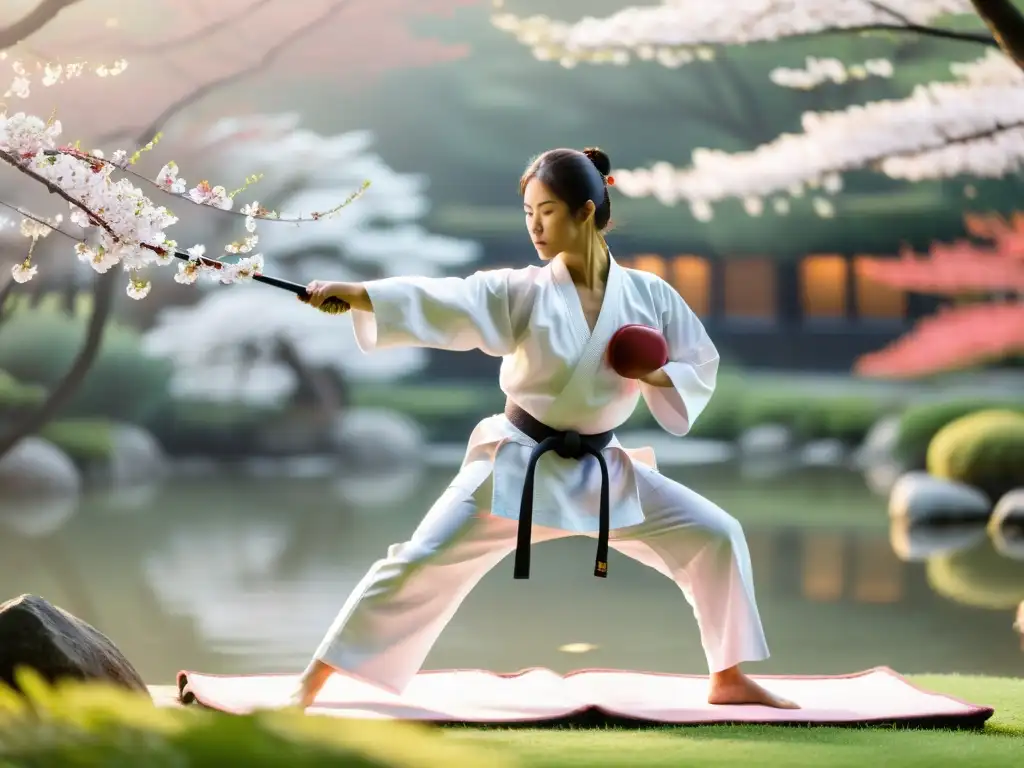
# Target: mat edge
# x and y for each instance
(974, 711)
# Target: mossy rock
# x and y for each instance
(919, 424)
(984, 450)
(76, 725)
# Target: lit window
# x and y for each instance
(651, 262)
(750, 287)
(877, 301)
(823, 286)
(691, 276)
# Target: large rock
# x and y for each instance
(378, 437)
(137, 458)
(35, 633)
(766, 439)
(921, 498)
(36, 518)
(827, 452)
(36, 467)
(879, 443)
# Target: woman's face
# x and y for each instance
(553, 229)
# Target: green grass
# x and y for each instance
(83, 725)
(1000, 744)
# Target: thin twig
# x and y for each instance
(32, 22)
(267, 58)
(163, 46)
(55, 189)
(38, 220)
(86, 157)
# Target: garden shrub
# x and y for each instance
(85, 441)
(720, 419)
(39, 345)
(14, 395)
(919, 424)
(845, 418)
(208, 428)
(983, 449)
(74, 725)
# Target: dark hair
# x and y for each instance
(575, 177)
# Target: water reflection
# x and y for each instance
(1008, 537)
(916, 542)
(244, 573)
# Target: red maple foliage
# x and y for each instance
(985, 324)
(177, 47)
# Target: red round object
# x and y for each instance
(637, 350)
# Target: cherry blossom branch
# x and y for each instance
(975, 126)
(678, 32)
(32, 22)
(170, 184)
(41, 221)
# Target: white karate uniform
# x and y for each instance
(554, 368)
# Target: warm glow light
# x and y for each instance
(823, 286)
(750, 288)
(691, 276)
(875, 300)
(577, 648)
(823, 564)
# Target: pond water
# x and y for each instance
(234, 574)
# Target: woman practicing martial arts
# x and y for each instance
(551, 324)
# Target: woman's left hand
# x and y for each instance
(657, 378)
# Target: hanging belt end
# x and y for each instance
(601, 569)
(522, 568)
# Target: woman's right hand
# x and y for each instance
(319, 291)
(346, 295)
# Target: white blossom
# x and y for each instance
(831, 70)
(971, 126)
(51, 73)
(664, 32)
(379, 237)
(23, 272)
(127, 228)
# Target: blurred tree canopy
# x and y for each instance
(473, 124)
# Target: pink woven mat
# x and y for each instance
(594, 697)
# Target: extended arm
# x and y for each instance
(449, 313)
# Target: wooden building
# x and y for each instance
(814, 312)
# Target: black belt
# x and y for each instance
(569, 445)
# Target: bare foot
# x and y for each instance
(313, 679)
(734, 687)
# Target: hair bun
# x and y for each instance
(599, 159)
